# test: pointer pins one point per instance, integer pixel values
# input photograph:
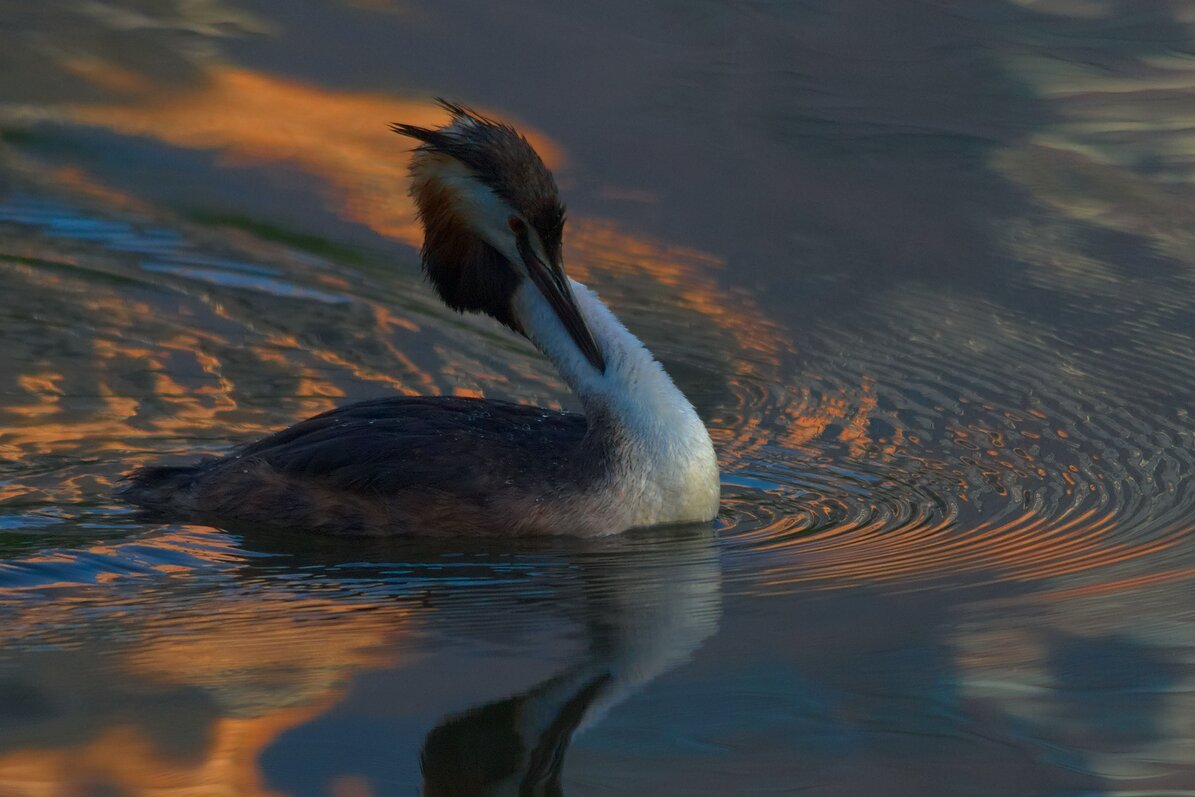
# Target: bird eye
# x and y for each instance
(516, 225)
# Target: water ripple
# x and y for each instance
(980, 443)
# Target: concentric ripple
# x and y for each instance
(985, 444)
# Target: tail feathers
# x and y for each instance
(160, 486)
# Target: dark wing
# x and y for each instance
(456, 445)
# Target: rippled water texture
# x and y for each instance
(927, 270)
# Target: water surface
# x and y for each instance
(926, 269)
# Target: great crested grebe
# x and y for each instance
(492, 222)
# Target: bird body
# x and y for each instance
(638, 456)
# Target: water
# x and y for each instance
(925, 268)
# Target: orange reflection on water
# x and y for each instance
(128, 761)
(313, 384)
(40, 423)
(252, 117)
(808, 421)
(45, 389)
(265, 659)
(143, 372)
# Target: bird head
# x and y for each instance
(492, 218)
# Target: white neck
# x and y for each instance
(663, 443)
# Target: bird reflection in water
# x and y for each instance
(648, 606)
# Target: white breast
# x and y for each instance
(667, 470)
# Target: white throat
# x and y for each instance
(668, 470)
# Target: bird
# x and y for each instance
(638, 454)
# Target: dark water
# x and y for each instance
(927, 269)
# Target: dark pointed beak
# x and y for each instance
(556, 289)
